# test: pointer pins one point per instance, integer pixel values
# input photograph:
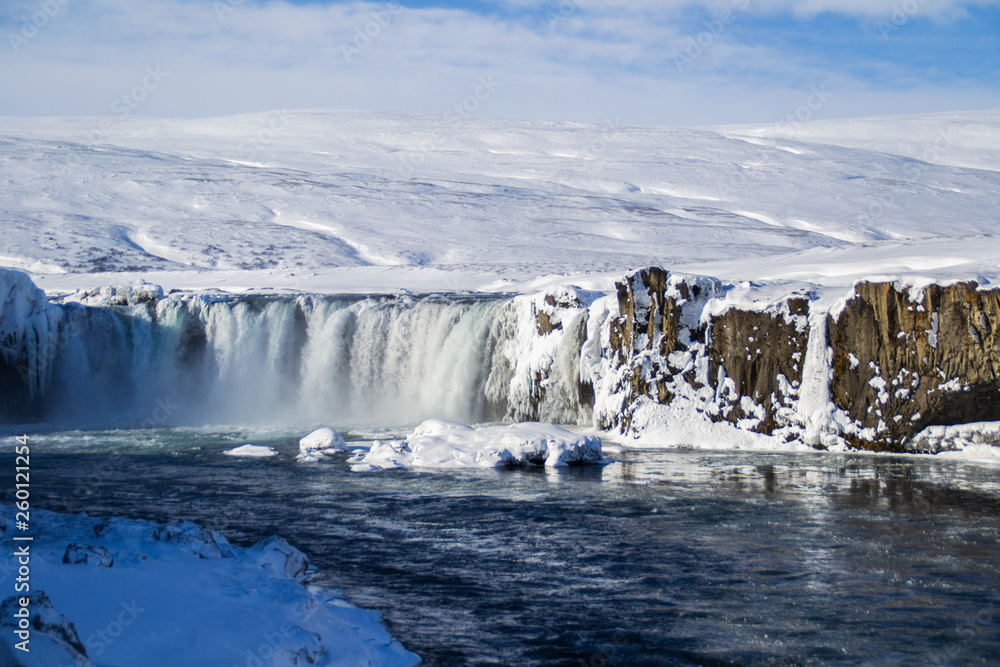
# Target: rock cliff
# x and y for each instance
(904, 359)
(661, 353)
(901, 359)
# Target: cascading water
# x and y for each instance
(378, 360)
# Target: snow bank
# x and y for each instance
(978, 441)
(120, 295)
(178, 594)
(319, 443)
(257, 451)
(444, 444)
(678, 425)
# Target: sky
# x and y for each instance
(671, 62)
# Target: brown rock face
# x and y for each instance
(762, 353)
(900, 365)
(658, 316)
(659, 343)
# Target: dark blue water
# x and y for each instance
(661, 558)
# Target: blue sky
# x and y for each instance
(672, 62)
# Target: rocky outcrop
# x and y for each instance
(48, 632)
(905, 359)
(666, 346)
(756, 360)
(900, 359)
(651, 345)
(90, 554)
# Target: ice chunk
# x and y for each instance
(443, 444)
(320, 442)
(251, 450)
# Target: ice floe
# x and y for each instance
(437, 443)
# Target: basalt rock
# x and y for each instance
(760, 355)
(906, 359)
(741, 366)
(655, 339)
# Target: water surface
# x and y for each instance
(659, 558)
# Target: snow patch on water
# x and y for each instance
(438, 443)
(252, 451)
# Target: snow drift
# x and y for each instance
(104, 591)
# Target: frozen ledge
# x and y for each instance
(123, 592)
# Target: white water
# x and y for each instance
(390, 361)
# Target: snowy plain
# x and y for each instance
(361, 202)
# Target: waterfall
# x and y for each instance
(310, 358)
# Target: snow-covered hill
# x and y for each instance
(329, 201)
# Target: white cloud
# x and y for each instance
(591, 61)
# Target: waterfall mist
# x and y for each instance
(306, 359)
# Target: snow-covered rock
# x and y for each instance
(279, 557)
(51, 638)
(89, 554)
(254, 451)
(975, 440)
(121, 295)
(319, 443)
(186, 536)
(438, 443)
